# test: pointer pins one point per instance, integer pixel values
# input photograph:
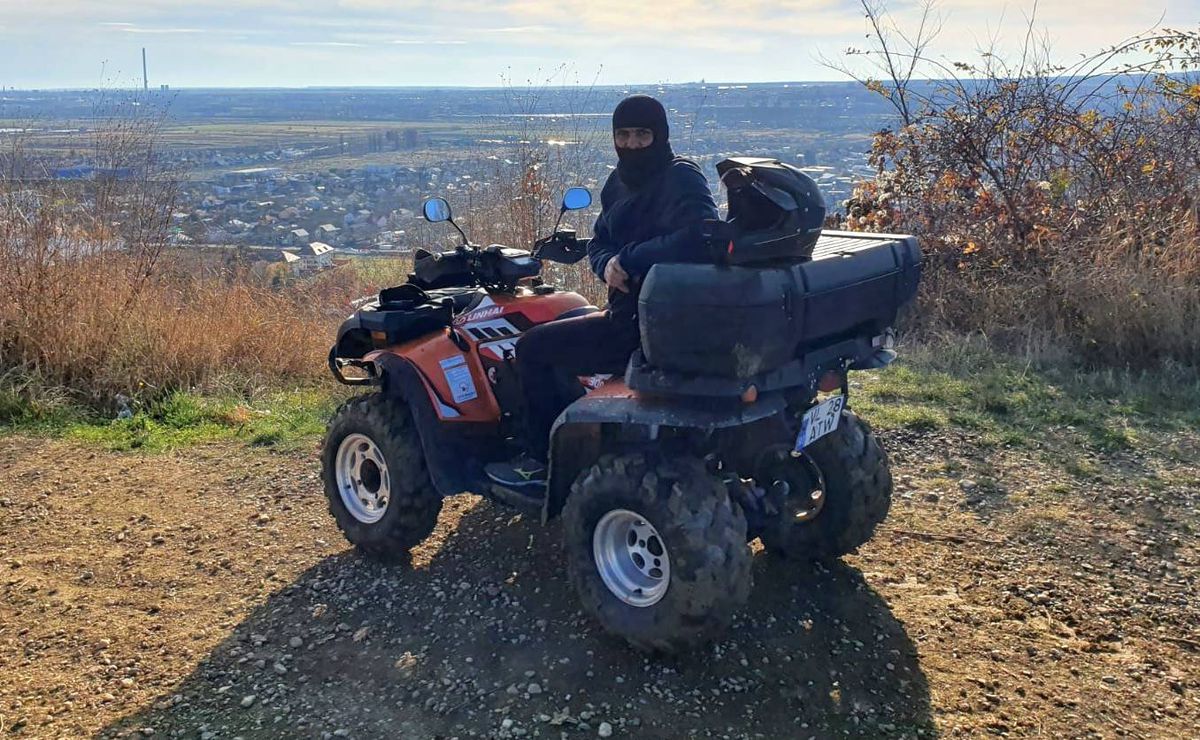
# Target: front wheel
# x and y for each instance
(657, 552)
(838, 492)
(375, 477)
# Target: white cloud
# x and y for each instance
(137, 29)
(429, 42)
(516, 29)
(325, 43)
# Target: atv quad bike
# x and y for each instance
(731, 423)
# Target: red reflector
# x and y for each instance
(730, 246)
(830, 381)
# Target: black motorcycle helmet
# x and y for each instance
(775, 211)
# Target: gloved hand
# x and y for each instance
(615, 275)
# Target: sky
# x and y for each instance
(298, 43)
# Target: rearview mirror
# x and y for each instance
(576, 198)
(437, 209)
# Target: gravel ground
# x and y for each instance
(207, 594)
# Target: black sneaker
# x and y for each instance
(524, 474)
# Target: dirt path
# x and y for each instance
(207, 594)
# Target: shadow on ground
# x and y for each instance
(481, 636)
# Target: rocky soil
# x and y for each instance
(207, 594)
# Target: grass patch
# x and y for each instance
(284, 419)
(1183, 479)
(932, 387)
(21, 409)
(909, 416)
(964, 384)
(1081, 468)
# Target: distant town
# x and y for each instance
(308, 174)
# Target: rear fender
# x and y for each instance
(577, 436)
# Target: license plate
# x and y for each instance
(819, 421)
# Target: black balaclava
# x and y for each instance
(637, 166)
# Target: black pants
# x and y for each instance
(550, 355)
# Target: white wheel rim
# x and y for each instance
(363, 480)
(631, 558)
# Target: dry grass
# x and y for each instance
(1111, 301)
(83, 331)
(86, 318)
(99, 338)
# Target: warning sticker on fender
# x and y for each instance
(458, 377)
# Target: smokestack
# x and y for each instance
(145, 78)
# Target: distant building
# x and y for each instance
(250, 175)
(328, 233)
(316, 256)
(291, 261)
(296, 237)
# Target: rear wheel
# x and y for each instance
(375, 477)
(657, 552)
(830, 499)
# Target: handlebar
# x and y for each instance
(563, 246)
(495, 266)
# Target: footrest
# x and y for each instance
(517, 500)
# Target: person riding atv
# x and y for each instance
(730, 422)
(654, 206)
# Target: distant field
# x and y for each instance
(424, 157)
(61, 137)
(320, 141)
(284, 133)
(238, 134)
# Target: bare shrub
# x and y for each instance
(540, 152)
(1056, 202)
(91, 305)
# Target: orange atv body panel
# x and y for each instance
(459, 375)
(455, 380)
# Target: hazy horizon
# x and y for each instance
(265, 44)
(248, 88)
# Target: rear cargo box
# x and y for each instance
(742, 321)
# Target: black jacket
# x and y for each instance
(658, 222)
